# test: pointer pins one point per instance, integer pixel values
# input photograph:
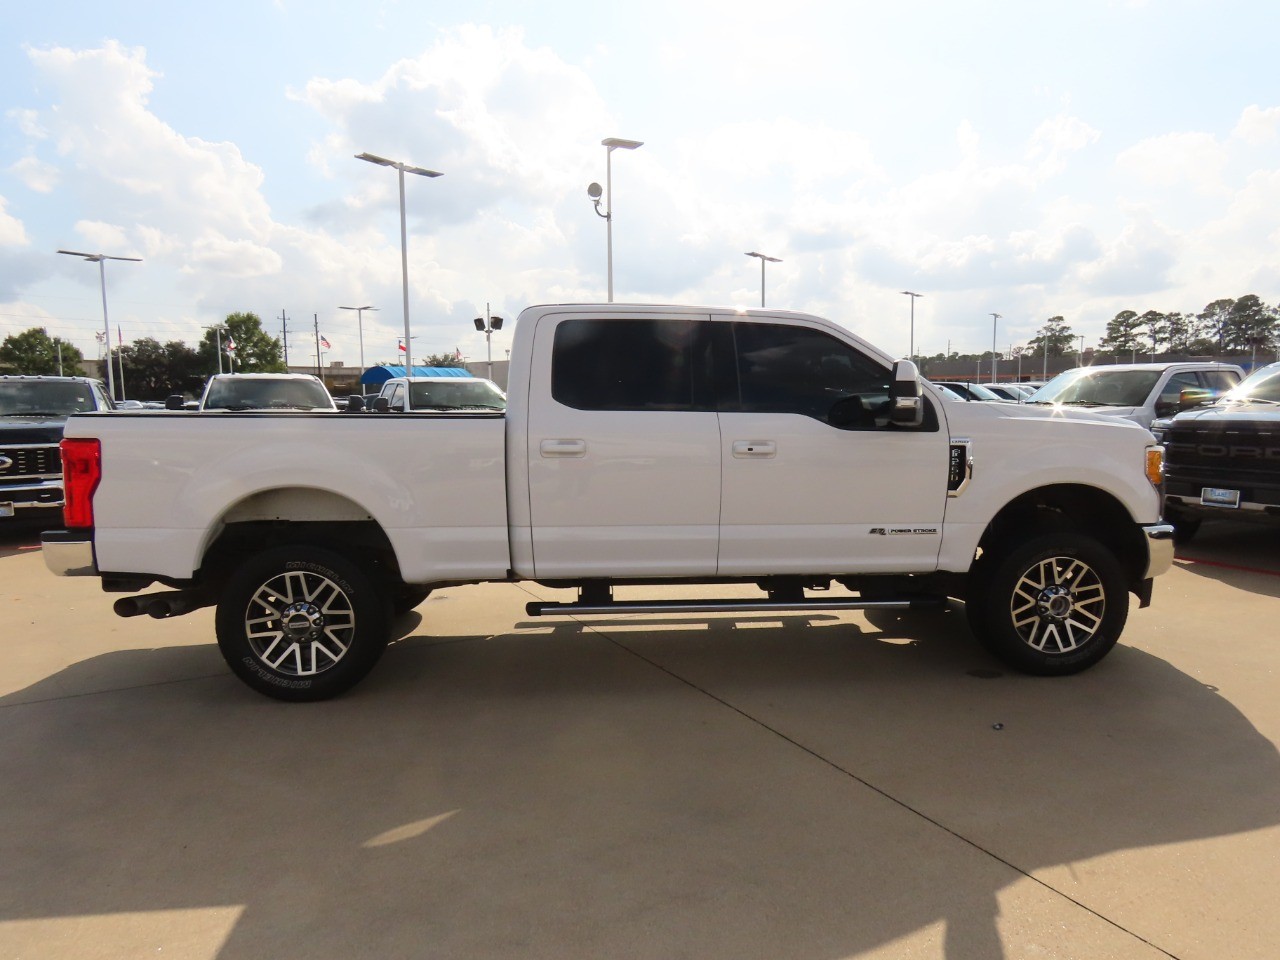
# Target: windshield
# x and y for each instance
(972, 391)
(1261, 385)
(1098, 387)
(234, 394)
(44, 398)
(456, 395)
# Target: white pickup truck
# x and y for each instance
(642, 445)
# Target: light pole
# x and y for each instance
(360, 323)
(610, 144)
(99, 259)
(1080, 355)
(486, 325)
(994, 318)
(763, 258)
(401, 169)
(911, 350)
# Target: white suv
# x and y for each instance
(1140, 392)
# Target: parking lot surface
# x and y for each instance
(815, 786)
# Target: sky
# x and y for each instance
(1019, 158)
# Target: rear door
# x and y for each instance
(623, 447)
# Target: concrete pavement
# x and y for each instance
(821, 786)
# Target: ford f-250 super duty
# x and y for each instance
(644, 445)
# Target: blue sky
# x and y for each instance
(1024, 158)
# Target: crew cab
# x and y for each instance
(1141, 392)
(32, 413)
(1223, 461)
(642, 445)
(435, 394)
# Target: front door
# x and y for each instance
(803, 496)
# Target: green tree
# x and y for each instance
(1179, 332)
(153, 372)
(443, 360)
(1212, 322)
(1055, 336)
(1250, 324)
(256, 351)
(34, 352)
(1123, 333)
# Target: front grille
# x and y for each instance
(29, 462)
(1253, 448)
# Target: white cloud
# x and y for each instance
(35, 174)
(12, 232)
(1258, 126)
(1196, 160)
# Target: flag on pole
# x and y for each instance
(231, 345)
(400, 344)
(324, 342)
(457, 354)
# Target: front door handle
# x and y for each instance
(563, 448)
(755, 449)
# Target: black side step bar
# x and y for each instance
(737, 605)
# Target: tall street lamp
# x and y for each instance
(763, 258)
(486, 325)
(995, 317)
(610, 144)
(402, 169)
(98, 258)
(911, 350)
(360, 324)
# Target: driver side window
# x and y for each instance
(790, 369)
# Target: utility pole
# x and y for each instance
(994, 318)
(284, 337)
(315, 317)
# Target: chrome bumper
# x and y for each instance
(1159, 548)
(68, 554)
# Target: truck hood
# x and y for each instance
(1227, 412)
(31, 429)
(977, 412)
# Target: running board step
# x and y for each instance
(730, 606)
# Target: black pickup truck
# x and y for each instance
(1223, 460)
(33, 411)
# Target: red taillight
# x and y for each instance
(81, 471)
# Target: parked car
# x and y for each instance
(436, 394)
(1140, 392)
(33, 412)
(1010, 391)
(1223, 460)
(261, 391)
(970, 391)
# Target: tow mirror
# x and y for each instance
(381, 404)
(355, 403)
(1193, 397)
(906, 405)
(173, 402)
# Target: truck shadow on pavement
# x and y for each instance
(798, 787)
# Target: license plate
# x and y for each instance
(1218, 497)
(6, 509)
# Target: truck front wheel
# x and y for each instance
(1051, 605)
(301, 623)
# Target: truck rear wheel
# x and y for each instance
(301, 623)
(1051, 605)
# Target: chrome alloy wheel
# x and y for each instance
(1058, 605)
(300, 623)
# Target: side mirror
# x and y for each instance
(381, 404)
(1193, 397)
(906, 405)
(173, 402)
(355, 403)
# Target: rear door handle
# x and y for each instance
(563, 448)
(755, 449)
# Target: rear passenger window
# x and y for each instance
(630, 364)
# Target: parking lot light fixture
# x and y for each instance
(401, 170)
(763, 258)
(911, 348)
(610, 144)
(360, 325)
(99, 259)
